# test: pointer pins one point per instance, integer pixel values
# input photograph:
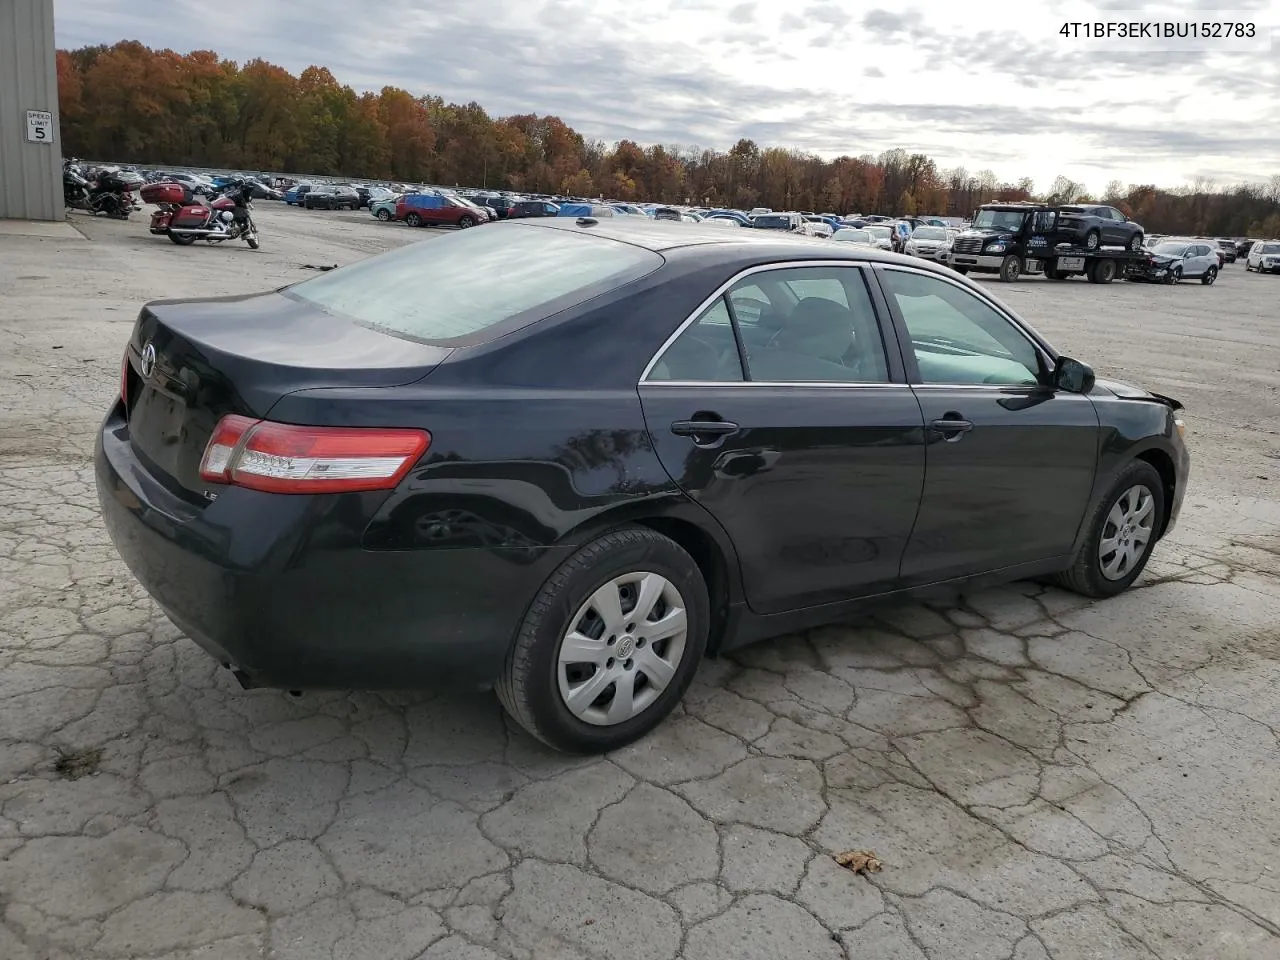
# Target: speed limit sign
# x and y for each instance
(39, 126)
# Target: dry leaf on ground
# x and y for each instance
(859, 861)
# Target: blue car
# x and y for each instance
(293, 196)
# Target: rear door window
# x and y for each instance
(443, 291)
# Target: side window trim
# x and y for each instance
(897, 373)
(1046, 354)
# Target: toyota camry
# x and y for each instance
(569, 458)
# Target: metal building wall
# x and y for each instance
(30, 173)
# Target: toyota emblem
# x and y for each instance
(148, 360)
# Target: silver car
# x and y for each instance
(853, 235)
(1264, 256)
(929, 243)
(881, 236)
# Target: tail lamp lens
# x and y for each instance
(286, 458)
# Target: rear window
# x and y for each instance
(772, 223)
(443, 290)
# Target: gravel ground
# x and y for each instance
(1042, 777)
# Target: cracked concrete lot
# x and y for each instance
(1042, 776)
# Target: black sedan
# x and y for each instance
(647, 444)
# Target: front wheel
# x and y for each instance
(383, 215)
(1173, 276)
(1135, 242)
(963, 271)
(1092, 240)
(464, 222)
(1122, 531)
(1210, 275)
(609, 644)
(1010, 268)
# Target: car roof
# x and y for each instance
(663, 236)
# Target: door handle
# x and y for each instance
(952, 426)
(704, 433)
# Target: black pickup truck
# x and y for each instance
(1013, 239)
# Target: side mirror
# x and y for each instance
(1073, 376)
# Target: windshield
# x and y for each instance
(929, 233)
(1171, 249)
(853, 236)
(1271, 248)
(879, 233)
(443, 290)
(768, 222)
(999, 220)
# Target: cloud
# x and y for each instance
(829, 13)
(984, 90)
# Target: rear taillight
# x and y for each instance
(285, 458)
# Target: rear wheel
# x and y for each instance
(1053, 273)
(182, 239)
(413, 220)
(609, 644)
(1135, 242)
(1122, 530)
(1210, 275)
(963, 271)
(1102, 271)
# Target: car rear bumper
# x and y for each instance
(280, 589)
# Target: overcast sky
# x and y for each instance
(982, 84)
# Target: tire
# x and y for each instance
(1135, 242)
(253, 242)
(1210, 275)
(384, 215)
(1092, 240)
(963, 271)
(1173, 276)
(1053, 273)
(1086, 574)
(535, 684)
(1010, 268)
(1102, 271)
(464, 222)
(182, 239)
(1247, 268)
(413, 220)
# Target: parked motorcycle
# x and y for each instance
(108, 191)
(185, 217)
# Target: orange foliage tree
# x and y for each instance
(129, 103)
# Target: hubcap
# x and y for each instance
(1127, 532)
(622, 649)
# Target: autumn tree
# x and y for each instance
(130, 103)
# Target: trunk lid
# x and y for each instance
(191, 362)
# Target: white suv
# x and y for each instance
(1264, 256)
